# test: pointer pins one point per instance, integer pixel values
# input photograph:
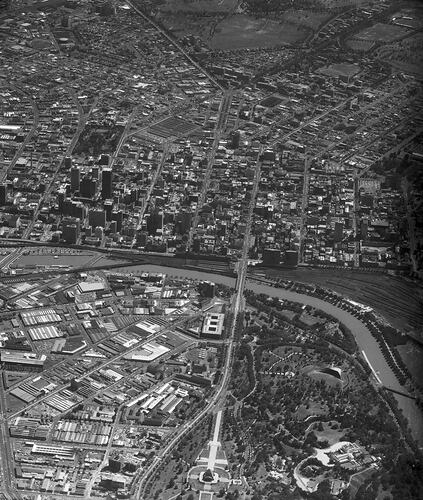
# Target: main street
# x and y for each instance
(3, 173)
(166, 146)
(224, 106)
(6, 461)
(51, 186)
(174, 43)
(236, 307)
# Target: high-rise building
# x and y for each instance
(97, 217)
(207, 288)
(108, 208)
(183, 222)
(291, 258)
(95, 172)
(339, 231)
(117, 215)
(364, 229)
(61, 196)
(68, 162)
(104, 160)
(71, 230)
(271, 256)
(155, 221)
(75, 179)
(106, 184)
(87, 187)
(3, 194)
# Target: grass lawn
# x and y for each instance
(342, 69)
(358, 479)
(381, 33)
(242, 32)
(313, 409)
(412, 355)
(397, 299)
(331, 435)
(360, 45)
(198, 5)
(309, 18)
(15, 404)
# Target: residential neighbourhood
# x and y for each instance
(211, 249)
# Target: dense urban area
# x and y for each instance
(211, 249)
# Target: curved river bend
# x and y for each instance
(363, 337)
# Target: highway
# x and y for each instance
(144, 207)
(49, 189)
(236, 307)
(6, 461)
(224, 106)
(304, 205)
(28, 137)
(175, 43)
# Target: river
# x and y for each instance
(363, 337)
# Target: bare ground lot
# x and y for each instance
(242, 32)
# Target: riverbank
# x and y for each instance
(362, 335)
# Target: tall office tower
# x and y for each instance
(97, 217)
(183, 222)
(106, 184)
(3, 194)
(154, 221)
(71, 230)
(61, 196)
(87, 187)
(291, 258)
(339, 231)
(364, 229)
(108, 208)
(104, 160)
(117, 215)
(95, 172)
(75, 179)
(271, 256)
(68, 162)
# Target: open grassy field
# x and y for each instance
(411, 17)
(341, 69)
(358, 479)
(329, 434)
(405, 55)
(308, 18)
(198, 5)
(360, 45)
(381, 33)
(242, 32)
